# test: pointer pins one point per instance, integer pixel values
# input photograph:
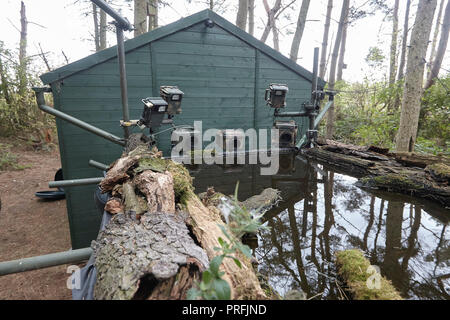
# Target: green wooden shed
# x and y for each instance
(222, 70)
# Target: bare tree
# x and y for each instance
(334, 58)
(140, 17)
(96, 27)
(145, 16)
(301, 22)
(441, 48)
(102, 30)
(241, 17)
(435, 37)
(152, 12)
(340, 66)
(251, 17)
(401, 66)
(270, 18)
(409, 118)
(393, 56)
(323, 55)
(23, 61)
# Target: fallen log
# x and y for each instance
(412, 174)
(162, 236)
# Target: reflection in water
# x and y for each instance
(323, 212)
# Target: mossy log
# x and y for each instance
(161, 237)
(363, 282)
(417, 175)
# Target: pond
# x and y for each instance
(323, 212)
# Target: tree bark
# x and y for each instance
(323, 54)
(409, 118)
(437, 27)
(334, 58)
(443, 42)
(301, 22)
(401, 66)
(23, 61)
(241, 18)
(140, 17)
(251, 17)
(393, 55)
(270, 18)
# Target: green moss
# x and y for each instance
(440, 169)
(353, 268)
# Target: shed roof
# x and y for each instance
(169, 29)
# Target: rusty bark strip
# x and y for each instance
(418, 175)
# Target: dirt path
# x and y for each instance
(30, 227)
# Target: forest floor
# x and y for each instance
(30, 226)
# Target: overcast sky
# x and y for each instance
(63, 25)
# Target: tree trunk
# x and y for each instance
(270, 18)
(409, 118)
(275, 34)
(102, 30)
(441, 48)
(251, 17)
(23, 61)
(96, 27)
(323, 54)
(334, 58)
(341, 63)
(437, 27)
(152, 11)
(211, 4)
(140, 17)
(299, 30)
(162, 237)
(401, 66)
(241, 18)
(393, 56)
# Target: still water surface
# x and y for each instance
(323, 212)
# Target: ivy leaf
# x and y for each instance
(238, 263)
(206, 277)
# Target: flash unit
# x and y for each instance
(276, 95)
(154, 111)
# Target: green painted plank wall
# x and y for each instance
(223, 78)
